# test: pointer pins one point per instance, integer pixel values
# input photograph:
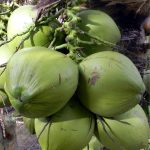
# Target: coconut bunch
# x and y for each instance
(70, 96)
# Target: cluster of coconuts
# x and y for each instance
(66, 103)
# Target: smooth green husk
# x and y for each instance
(69, 129)
(128, 131)
(5, 55)
(24, 18)
(40, 81)
(29, 124)
(109, 83)
(98, 24)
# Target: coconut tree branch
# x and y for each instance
(3, 43)
(141, 6)
(28, 35)
(45, 20)
(5, 13)
(95, 38)
(55, 36)
(42, 5)
(61, 46)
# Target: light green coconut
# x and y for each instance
(97, 24)
(5, 55)
(69, 129)
(109, 83)
(21, 20)
(39, 81)
(128, 131)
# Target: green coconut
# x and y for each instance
(128, 131)
(29, 124)
(97, 24)
(39, 81)
(24, 18)
(69, 129)
(5, 55)
(94, 144)
(4, 100)
(109, 83)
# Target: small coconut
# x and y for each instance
(109, 83)
(128, 131)
(69, 129)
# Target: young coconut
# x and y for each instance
(109, 83)
(128, 131)
(97, 24)
(69, 129)
(21, 20)
(39, 81)
(5, 55)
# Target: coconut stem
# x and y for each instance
(60, 46)
(3, 43)
(6, 12)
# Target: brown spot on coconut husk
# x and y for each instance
(94, 77)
